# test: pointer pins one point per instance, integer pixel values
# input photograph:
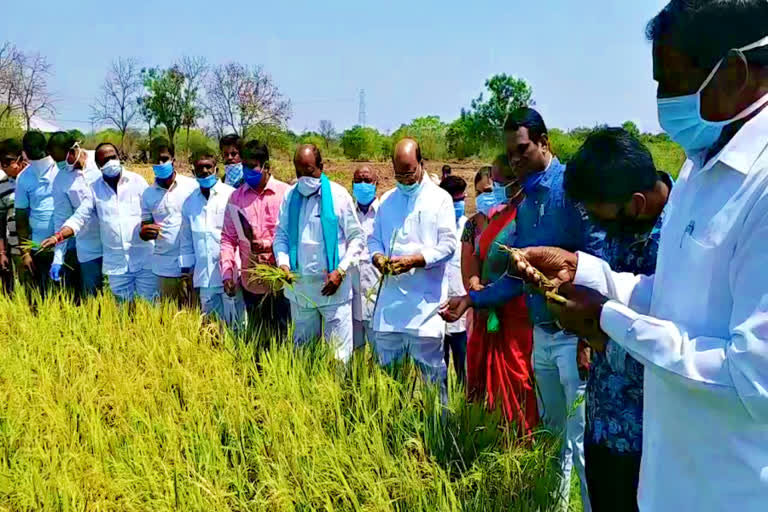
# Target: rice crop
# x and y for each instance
(104, 407)
(546, 286)
(275, 278)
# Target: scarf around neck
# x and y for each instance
(328, 220)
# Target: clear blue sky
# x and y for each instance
(588, 61)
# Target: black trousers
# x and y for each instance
(270, 312)
(612, 479)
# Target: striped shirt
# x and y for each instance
(8, 213)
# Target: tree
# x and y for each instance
(239, 98)
(327, 132)
(364, 143)
(32, 87)
(170, 99)
(117, 105)
(10, 62)
(506, 93)
(631, 128)
(429, 131)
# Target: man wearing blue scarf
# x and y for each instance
(545, 217)
(318, 238)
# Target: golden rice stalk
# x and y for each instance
(272, 277)
(546, 286)
(33, 247)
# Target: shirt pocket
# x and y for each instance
(703, 269)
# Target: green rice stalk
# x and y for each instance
(272, 277)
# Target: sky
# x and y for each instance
(588, 62)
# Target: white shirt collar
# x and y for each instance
(745, 147)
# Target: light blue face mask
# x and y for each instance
(458, 208)
(163, 171)
(681, 117)
(208, 182)
(485, 202)
(500, 192)
(365, 193)
(408, 190)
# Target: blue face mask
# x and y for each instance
(365, 193)
(408, 190)
(208, 182)
(458, 209)
(681, 117)
(163, 171)
(233, 174)
(252, 176)
(485, 202)
(500, 192)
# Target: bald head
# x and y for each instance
(366, 174)
(407, 162)
(308, 161)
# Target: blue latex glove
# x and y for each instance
(55, 272)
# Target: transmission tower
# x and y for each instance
(361, 112)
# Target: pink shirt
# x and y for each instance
(261, 210)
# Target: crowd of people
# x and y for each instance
(651, 357)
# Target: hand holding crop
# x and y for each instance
(381, 263)
(535, 264)
(581, 312)
(402, 264)
(230, 287)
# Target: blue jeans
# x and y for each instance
(559, 390)
(126, 287)
(91, 277)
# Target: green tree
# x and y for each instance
(505, 94)
(170, 99)
(362, 143)
(430, 132)
(631, 128)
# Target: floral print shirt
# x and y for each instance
(615, 391)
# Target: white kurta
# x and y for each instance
(455, 281)
(700, 327)
(311, 256)
(364, 276)
(423, 223)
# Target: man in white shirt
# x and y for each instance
(115, 201)
(319, 238)
(78, 262)
(161, 221)
(700, 324)
(364, 276)
(202, 219)
(456, 332)
(34, 210)
(414, 237)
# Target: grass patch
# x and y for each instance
(103, 409)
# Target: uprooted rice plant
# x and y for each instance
(102, 408)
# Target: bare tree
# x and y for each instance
(117, 104)
(9, 79)
(194, 70)
(327, 132)
(32, 93)
(239, 98)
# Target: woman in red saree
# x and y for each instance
(500, 343)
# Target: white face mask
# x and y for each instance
(308, 185)
(112, 168)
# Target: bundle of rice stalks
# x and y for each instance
(545, 287)
(274, 278)
(33, 247)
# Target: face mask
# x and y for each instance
(365, 193)
(681, 117)
(208, 182)
(308, 185)
(458, 209)
(408, 190)
(500, 192)
(252, 177)
(112, 168)
(163, 171)
(233, 174)
(485, 202)
(624, 225)
(63, 166)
